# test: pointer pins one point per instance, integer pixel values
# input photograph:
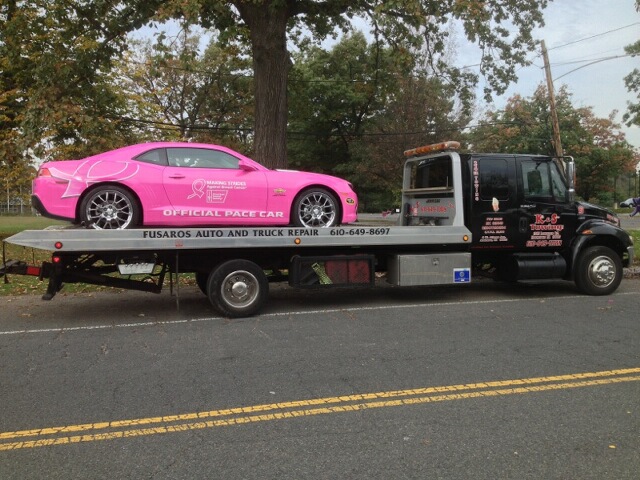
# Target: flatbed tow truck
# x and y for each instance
(509, 217)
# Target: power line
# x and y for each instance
(592, 63)
(594, 36)
(171, 126)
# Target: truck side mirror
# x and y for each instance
(571, 176)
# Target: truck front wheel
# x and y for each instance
(237, 288)
(598, 271)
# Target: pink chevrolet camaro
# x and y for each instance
(187, 184)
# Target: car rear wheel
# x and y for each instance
(315, 207)
(109, 208)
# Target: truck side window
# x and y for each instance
(535, 179)
(558, 185)
(494, 179)
(542, 179)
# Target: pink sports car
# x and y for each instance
(187, 184)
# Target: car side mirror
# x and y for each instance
(245, 167)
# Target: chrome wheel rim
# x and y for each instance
(317, 209)
(109, 209)
(240, 289)
(602, 272)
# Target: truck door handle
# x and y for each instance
(524, 224)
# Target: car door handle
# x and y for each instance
(176, 175)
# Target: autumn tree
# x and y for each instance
(174, 91)
(67, 46)
(402, 24)
(632, 82)
(56, 99)
(357, 106)
(598, 146)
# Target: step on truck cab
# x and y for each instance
(510, 217)
(522, 214)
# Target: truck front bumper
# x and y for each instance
(630, 256)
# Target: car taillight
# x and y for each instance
(44, 172)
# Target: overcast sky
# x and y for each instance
(599, 28)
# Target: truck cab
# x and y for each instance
(522, 214)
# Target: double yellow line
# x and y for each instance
(92, 432)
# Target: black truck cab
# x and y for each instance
(522, 214)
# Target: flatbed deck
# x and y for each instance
(162, 239)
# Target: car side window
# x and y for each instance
(201, 158)
(157, 156)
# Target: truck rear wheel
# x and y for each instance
(237, 288)
(598, 271)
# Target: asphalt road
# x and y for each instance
(482, 381)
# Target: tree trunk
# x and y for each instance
(268, 32)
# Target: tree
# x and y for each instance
(632, 81)
(67, 46)
(401, 23)
(356, 107)
(55, 96)
(176, 92)
(598, 146)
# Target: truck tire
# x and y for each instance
(598, 271)
(237, 288)
(202, 279)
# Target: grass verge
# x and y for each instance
(24, 284)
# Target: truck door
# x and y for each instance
(494, 223)
(547, 220)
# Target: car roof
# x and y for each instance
(133, 150)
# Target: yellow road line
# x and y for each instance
(334, 405)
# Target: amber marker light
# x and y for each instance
(297, 241)
(465, 238)
(58, 245)
(587, 232)
(436, 147)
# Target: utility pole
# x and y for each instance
(557, 145)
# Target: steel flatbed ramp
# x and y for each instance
(156, 239)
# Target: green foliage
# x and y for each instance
(175, 92)
(597, 144)
(356, 107)
(632, 82)
(57, 98)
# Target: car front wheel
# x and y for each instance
(109, 208)
(315, 207)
